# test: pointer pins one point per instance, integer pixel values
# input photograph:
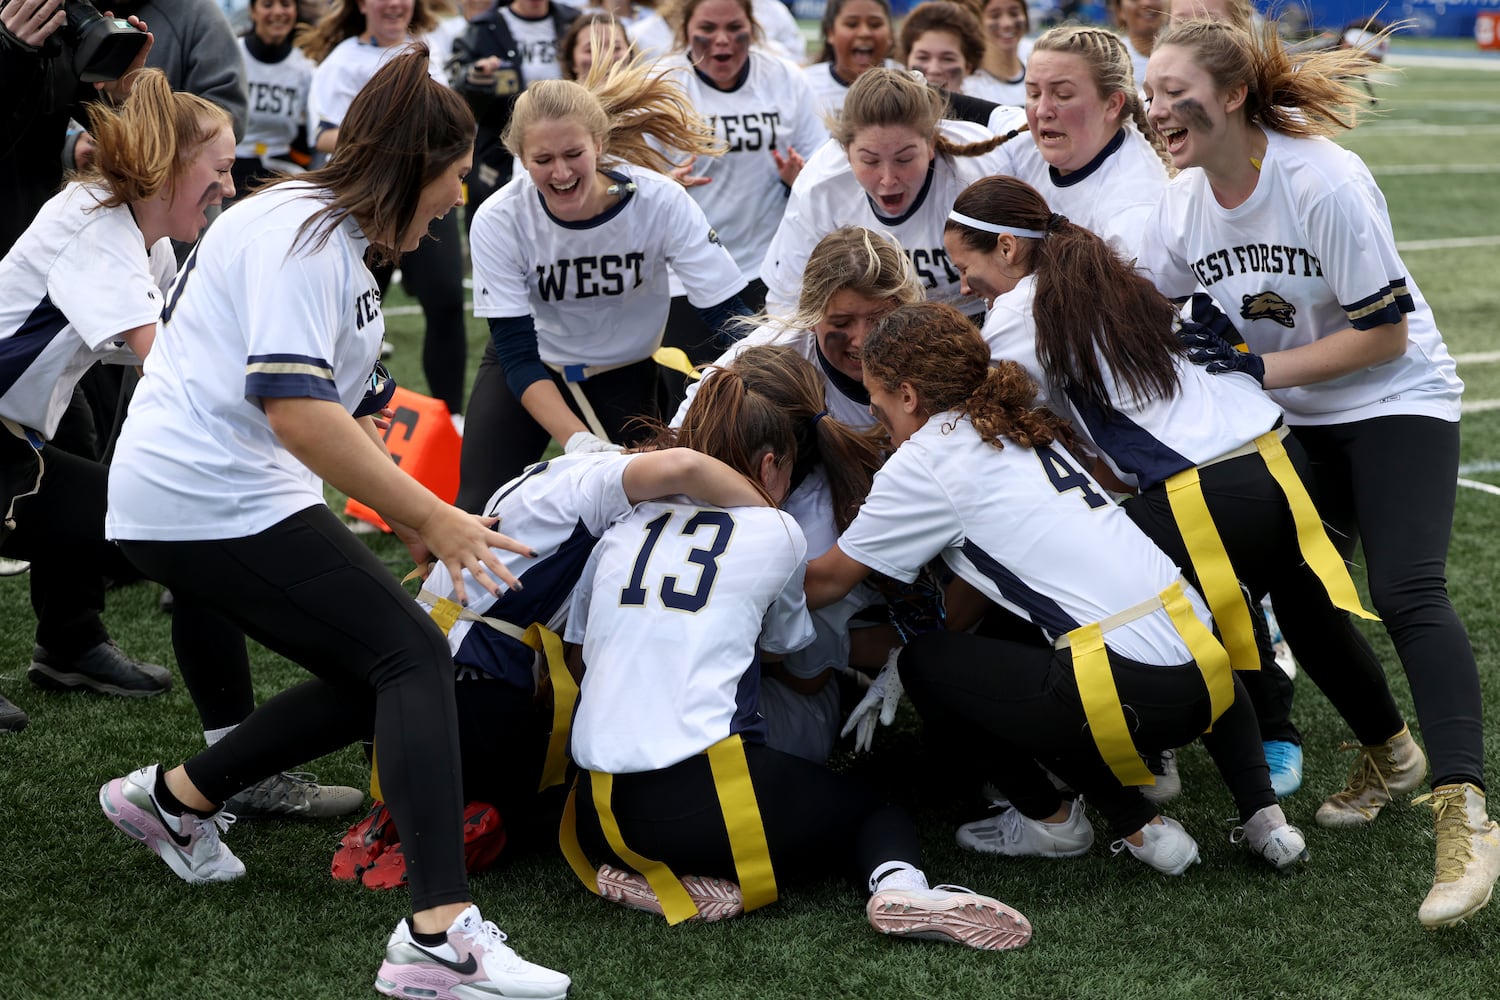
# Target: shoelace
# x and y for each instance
(212, 826)
(489, 938)
(1364, 776)
(1454, 849)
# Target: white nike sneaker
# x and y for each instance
(475, 964)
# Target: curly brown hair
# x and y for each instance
(935, 349)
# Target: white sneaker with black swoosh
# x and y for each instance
(189, 844)
(474, 964)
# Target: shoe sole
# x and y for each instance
(48, 679)
(716, 898)
(957, 922)
(390, 988)
(136, 828)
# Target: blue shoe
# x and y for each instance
(1285, 761)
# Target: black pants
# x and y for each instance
(1391, 483)
(309, 590)
(502, 735)
(433, 274)
(817, 822)
(501, 438)
(1260, 537)
(1018, 703)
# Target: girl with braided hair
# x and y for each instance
(894, 166)
(1133, 665)
(1287, 235)
(1092, 154)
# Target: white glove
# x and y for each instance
(878, 704)
(584, 443)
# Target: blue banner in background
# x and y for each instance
(1438, 18)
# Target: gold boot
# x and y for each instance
(1380, 773)
(1468, 856)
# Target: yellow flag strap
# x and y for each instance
(1101, 699)
(675, 359)
(747, 834)
(1216, 576)
(1317, 548)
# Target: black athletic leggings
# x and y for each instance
(1391, 482)
(817, 821)
(433, 274)
(1019, 705)
(308, 589)
(1255, 523)
(501, 438)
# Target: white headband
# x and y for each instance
(991, 227)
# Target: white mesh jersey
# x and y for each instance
(536, 39)
(1143, 442)
(560, 508)
(1027, 527)
(826, 196)
(1309, 253)
(255, 312)
(342, 75)
(278, 94)
(78, 277)
(1115, 195)
(598, 289)
(771, 109)
(672, 606)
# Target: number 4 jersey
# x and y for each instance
(671, 608)
(1026, 527)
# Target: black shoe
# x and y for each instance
(104, 669)
(12, 719)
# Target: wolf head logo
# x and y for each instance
(1268, 305)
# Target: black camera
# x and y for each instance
(103, 47)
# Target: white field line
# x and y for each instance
(1451, 243)
(1481, 487)
(1391, 128)
(1478, 358)
(1422, 169)
(1481, 405)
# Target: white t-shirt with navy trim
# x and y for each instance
(536, 41)
(278, 95)
(598, 289)
(1028, 528)
(1309, 253)
(671, 609)
(560, 508)
(771, 109)
(256, 312)
(1115, 195)
(827, 196)
(342, 75)
(77, 278)
(829, 89)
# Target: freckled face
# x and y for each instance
(719, 40)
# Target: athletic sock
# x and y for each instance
(212, 736)
(426, 940)
(896, 875)
(169, 803)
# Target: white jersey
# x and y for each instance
(278, 102)
(1309, 253)
(342, 75)
(440, 42)
(1062, 555)
(598, 289)
(560, 507)
(256, 312)
(536, 40)
(1143, 442)
(988, 87)
(77, 278)
(771, 109)
(783, 37)
(1115, 195)
(672, 607)
(826, 196)
(649, 33)
(829, 88)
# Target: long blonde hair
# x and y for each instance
(620, 106)
(146, 144)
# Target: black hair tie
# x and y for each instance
(1056, 222)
